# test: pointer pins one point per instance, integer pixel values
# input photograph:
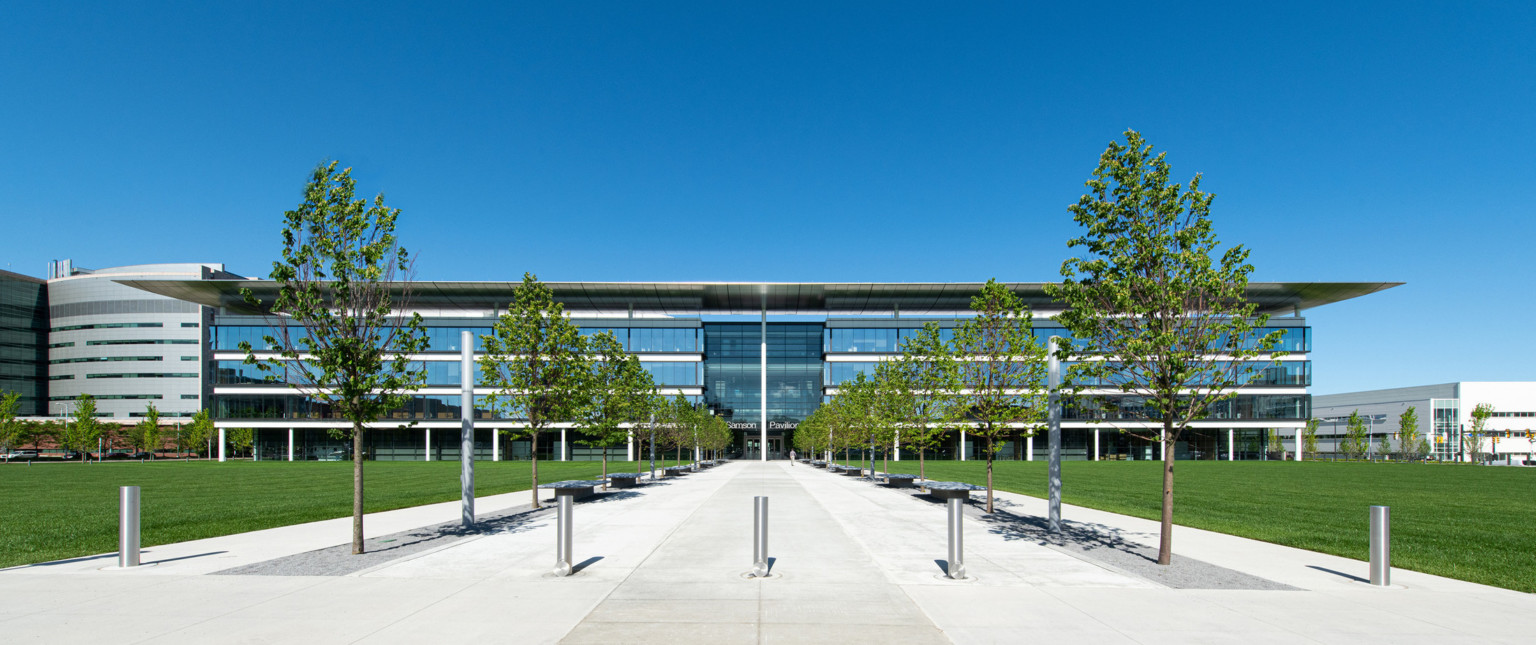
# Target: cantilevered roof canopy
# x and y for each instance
(700, 298)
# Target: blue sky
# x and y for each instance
(814, 141)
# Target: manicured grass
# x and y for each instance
(1474, 523)
(64, 510)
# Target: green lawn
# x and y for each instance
(1469, 522)
(64, 510)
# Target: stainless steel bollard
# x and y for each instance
(128, 527)
(563, 535)
(759, 537)
(956, 539)
(1381, 546)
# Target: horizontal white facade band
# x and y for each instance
(393, 424)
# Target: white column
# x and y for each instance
(290, 444)
(563, 450)
(466, 429)
(1298, 444)
(1095, 444)
(1162, 445)
(629, 447)
(1029, 448)
(1231, 434)
(763, 369)
(427, 448)
(896, 446)
(221, 445)
(962, 444)
(496, 444)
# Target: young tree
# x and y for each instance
(81, 433)
(11, 428)
(1355, 436)
(894, 405)
(341, 339)
(1472, 438)
(1408, 436)
(1385, 446)
(1276, 445)
(616, 386)
(1152, 295)
(1002, 369)
(242, 438)
(535, 363)
(196, 433)
(146, 435)
(932, 376)
(1309, 437)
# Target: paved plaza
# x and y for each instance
(852, 563)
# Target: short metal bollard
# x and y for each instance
(956, 562)
(563, 566)
(1381, 546)
(128, 527)
(760, 537)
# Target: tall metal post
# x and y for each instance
(128, 527)
(1054, 420)
(653, 446)
(956, 560)
(762, 444)
(759, 536)
(467, 428)
(1381, 546)
(563, 565)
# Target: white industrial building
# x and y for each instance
(1445, 415)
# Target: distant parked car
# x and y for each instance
(19, 455)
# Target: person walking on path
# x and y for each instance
(791, 456)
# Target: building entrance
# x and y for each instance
(751, 447)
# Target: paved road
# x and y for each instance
(853, 563)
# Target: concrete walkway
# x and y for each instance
(853, 563)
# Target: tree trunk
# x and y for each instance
(921, 473)
(535, 464)
(357, 488)
(605, 467)
(1165, 541)
(989, 470)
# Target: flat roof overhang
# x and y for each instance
(725, 298)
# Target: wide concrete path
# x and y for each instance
(853, 563)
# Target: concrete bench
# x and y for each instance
(951, 490)
(819, 463)
(852, 471)
(576, 488)
(677, 471)
(624, 480)
(897, 480)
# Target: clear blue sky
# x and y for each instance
(813, 141)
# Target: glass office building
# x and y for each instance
(763, 356)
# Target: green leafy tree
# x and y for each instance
(1153, 292)
(196, 434)
(341, 340)
(1472, 438)
(11, 428)
(1309, 436)
(81, 433)
(1408, 435)
(242, 439)
(535, 364)
(894, 405)
(616, 386)
(1003, 371)
(146, 434)
(1355, 436)
(1276, 444)
(932, 378)
(1385, 446)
